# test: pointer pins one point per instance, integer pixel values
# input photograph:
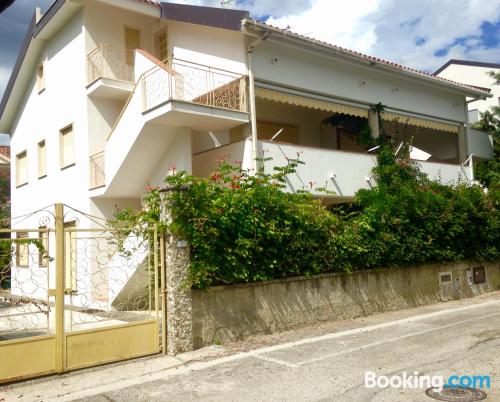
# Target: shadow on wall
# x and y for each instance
(229, 313)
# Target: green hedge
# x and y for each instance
(244, 228)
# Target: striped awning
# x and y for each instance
(420, 122)
(310, 103)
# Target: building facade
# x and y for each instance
(473, 73)
(108, 96)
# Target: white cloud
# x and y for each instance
(342, 23)
(391, 29)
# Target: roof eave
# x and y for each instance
(291, 36)
(30, 51)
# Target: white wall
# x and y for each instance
(307, 71)
(43, 115)
(106, 24)
(478, 76)
(213, 47)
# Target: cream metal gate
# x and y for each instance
(73, 297)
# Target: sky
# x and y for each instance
(422, 34)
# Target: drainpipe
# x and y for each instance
(468, 152)
(251, 94)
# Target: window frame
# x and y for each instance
(19, 251)
(40, 147)
(62, 159)
(43, 238)
(20, 156)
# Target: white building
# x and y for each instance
(95, 116)
(473, 73)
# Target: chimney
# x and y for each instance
(38, 14)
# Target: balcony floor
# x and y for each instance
(195, 116)
(110, 89)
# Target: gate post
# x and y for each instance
(59, 305)
(179, 309)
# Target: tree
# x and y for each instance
(488, 172)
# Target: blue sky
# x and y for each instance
(422, 34)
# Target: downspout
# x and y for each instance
(251, 93)
(468, 152)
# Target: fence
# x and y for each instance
(73, 297)
(196, 83)
(107, 62)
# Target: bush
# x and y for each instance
(245, 228)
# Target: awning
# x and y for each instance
(420, 122)
(309, 102)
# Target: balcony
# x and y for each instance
(178, 91)
(110, 72)
(342, 172)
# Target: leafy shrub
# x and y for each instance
(245, 228)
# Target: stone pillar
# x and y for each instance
(373, 123)
(179, 311)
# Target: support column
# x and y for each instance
(373, 123)
(179, 309)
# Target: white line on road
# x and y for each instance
(277, 361)
(395, 339)
(161, 375)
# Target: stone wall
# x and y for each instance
(226, 313)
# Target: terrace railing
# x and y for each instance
(186, 81)
(107, 62)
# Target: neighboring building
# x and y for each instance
(106, 96)
(4, 159)
(473, 73)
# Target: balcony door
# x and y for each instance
(132, 42)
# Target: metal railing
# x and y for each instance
(97, 176)
(186, 81)
(107, 62)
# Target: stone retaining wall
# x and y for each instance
(226, 313)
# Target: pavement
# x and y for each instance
(326, 362)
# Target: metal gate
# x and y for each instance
(73, 296)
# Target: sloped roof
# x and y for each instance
(466, 63)
(367, 58)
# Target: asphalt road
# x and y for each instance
(450, 339)
(463, 341)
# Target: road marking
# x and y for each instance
(277, 361)
(395, 339)
(197, 366)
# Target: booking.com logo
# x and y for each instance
(416, 381)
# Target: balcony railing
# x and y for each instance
(108, 62)
(97, 176)
(339, 171)
(196, 83)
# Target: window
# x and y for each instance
(43, 254)
(21, 168)
(22, 250)
(67, 147)
(42, 160)
(40, 78)
(132, 42)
